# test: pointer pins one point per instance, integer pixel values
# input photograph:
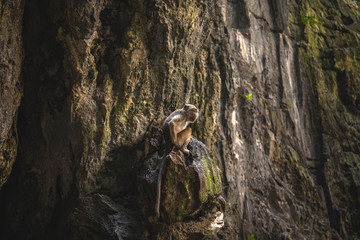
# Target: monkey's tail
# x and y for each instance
(165, 151)
(158, 190)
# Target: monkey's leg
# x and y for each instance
(172, 131)
(183, 139)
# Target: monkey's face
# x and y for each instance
(192, 112)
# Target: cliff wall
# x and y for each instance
(86, 84)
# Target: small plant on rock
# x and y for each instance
(355, 11)
(252, 237)
(248, 96)
(308, 19)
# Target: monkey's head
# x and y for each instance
(192, 113)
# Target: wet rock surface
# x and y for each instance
(97, 79)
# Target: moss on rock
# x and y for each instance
(189, 185)
(186, 189)
(330, 57)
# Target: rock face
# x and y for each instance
(187, 183)
(98, 217)
(97, 78)
(11, 56)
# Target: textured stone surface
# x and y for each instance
(99, 77)
(98, 217)
(188, 185)
(11, 56)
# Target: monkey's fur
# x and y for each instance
(176, 134)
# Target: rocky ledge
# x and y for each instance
(190, 202)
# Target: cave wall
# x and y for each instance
(97, 78)
(11, 57)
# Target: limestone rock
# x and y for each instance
(189, 184)
(11, 57)
(99, 217)
(97, 77)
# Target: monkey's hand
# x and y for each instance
(187, 152)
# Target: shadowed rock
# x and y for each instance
(99, 217)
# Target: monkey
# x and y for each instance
(176, 135)
(175, 131)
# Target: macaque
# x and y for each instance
(176, 135)
(175, 130)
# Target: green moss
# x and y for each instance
(329, 55)
(212, 173)
(301, 169)
(292, 156)
(349, 67)
(188, 188)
